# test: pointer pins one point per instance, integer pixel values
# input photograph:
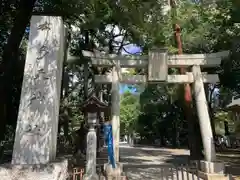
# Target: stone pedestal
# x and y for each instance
(91, 156)
(53, 171)
(212, 167)
(91, 177)
(212, 171)
(37, 124)
(114, 173)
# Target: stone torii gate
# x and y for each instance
(157, 62)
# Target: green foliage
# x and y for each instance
(129, 113)
(161, 113)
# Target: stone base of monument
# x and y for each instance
(123, 177)
(212, 171)
(114, 173)
(91, 177)
(53, 171)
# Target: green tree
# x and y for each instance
(129, 113)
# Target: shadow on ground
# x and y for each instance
(156, 163)
(148, 156)
(162, 163)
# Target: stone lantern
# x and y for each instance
(92, 107)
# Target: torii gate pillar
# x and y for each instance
(203, 115)
(116, 111)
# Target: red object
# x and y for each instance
(178, 38)
(187, 89)
(187, 93)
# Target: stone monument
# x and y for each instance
(36, 132)
(37, 125)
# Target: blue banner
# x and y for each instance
(109, 141)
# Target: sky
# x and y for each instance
(132, 49)
(127, 88)
(129, 49)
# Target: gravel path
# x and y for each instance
(155, 163)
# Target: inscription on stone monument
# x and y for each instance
(36, 132)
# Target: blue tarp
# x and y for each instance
(109, 141)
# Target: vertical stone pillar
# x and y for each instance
(91, 153)
(204, 119)
(101, 99)
(37, 125)
(115, 111)
(86, 74)
(102, 116)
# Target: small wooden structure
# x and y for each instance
(94, 105)
(234, 107)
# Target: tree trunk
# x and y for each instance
(65, 75)
(174, 135)
(66, 126)
(210, 110)
(196, 132)
(86, 72)
(209, 95)
(226, 128)
(9, 59)
(194, 138)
